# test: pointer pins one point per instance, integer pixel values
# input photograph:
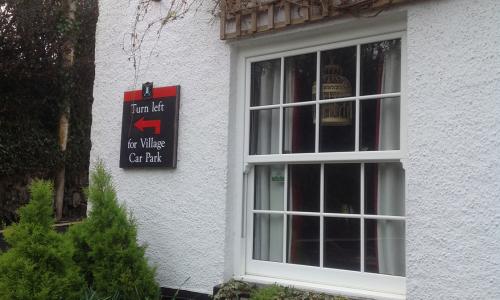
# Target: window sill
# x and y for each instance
(327, 289)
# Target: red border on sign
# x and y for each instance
(161, 92)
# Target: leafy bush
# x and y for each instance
(106, 246)
(39, 263)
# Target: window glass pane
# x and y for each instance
(303, 240)
(379, 124)
(338, 73)
(303, 187)
(338, 127)
(269, 187)
(299, 130)
(342, 244)
(264, 131)
(268, 237)
(384, 189)
(342, 188)
(385, 247)
(381, 67)
(300, 73)
(265, 84)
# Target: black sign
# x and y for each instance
(149, 127)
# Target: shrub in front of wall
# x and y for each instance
(106, 246)
(39, 263)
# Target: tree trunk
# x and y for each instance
(68, 52)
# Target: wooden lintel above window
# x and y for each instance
(244, 18)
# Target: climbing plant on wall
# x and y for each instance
(239, 18)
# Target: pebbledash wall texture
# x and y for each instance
(453, 137)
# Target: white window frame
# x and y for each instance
(317, 278)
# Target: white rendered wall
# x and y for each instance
(181, 212)
(453, 172)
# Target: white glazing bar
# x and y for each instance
(264, 107)
(248, 76)
(403, 111)
(384, 217)
(321, 218)
(303, 213)
(285, 196)
(333, 100)
(303, 103)
(282, 92)
(362, 210)
(269, 212)
(246, 166)
(380, 156)
(337, 215)
(282, 80)
(318, 85)
(326, 101)
(358, 76)
(365, 97)
(378, 96)
(317, 214)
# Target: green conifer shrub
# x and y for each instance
(106, 246)
(39, 264)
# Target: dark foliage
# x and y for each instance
(33, 90)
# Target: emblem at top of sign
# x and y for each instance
(147, 90)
